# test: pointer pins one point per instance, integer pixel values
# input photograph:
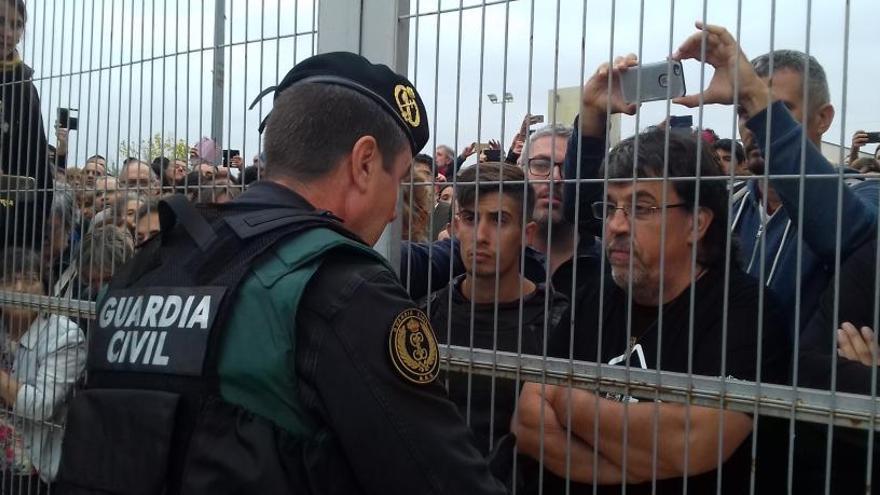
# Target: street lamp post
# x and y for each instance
(493, 98)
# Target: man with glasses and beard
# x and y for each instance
(662, 307)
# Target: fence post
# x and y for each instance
(218, 72)
(370, 28)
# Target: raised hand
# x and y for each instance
(597, 100)
(731, 65)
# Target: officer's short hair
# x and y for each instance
(312, 126)
(493, 177)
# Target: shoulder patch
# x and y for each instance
(413, 347)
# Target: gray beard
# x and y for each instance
(644, 291)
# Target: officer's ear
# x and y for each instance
(366, 161)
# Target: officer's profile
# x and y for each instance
(263, 346)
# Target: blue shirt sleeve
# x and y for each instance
(420, 262)
(820, 212)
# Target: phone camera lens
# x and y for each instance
(663, 80)
(676, 70)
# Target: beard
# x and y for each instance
(754, 160)
(633, 275)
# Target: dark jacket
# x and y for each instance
(856, 303)
(23, 152)
(818, 232)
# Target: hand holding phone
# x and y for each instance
(659, 81)
(68, 118)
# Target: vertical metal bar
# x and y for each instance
(219, 72)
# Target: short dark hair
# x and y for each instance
(425, 159)
(159, 164)
(492, 177)
(726, 144)
(95, 157)
(312, 126)
(684, 158)
(20, 7)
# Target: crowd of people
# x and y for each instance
(512, 253)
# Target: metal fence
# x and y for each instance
(172, 79)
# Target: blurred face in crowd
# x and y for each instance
(490, 234)
(11, 28)
(544, 171)
(446, 195)
(27, 282)
(422, 168)
(206, 170)
(786, 85)
(441, 157)
(726, 159)
(642, 228)
(176, 170)
(147, 227)
(130, 218)
(86, 204)
(92, 171)
(138, 176)
(105, 192)
(57, 237)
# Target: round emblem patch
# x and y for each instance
(413, 347)
(405, 97)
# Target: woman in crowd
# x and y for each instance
(41, 358)
(416, 204)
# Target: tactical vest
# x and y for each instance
(187, 389)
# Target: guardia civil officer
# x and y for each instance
(262, 346)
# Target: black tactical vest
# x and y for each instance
(151, 408)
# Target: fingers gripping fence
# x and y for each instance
(644, 232)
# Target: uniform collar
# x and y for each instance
(268, 192)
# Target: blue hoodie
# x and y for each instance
(820, 213)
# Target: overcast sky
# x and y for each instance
(105, 57)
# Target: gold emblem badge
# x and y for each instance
(405, 97)
(413, 347)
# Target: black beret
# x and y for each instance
(391, 91)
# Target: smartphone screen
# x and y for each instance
(874, 137)
(68, 118)
(227, 156)
(493, 155)
(659, 81)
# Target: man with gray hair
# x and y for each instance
(104, 250)
(789, 131)
(542, 162)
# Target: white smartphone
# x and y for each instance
(660, 81)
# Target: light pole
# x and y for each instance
(493, 98)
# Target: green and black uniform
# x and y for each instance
(311, 403)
